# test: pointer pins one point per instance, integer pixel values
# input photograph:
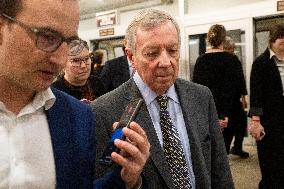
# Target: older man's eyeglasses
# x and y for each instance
(77, 62)
(49, 40)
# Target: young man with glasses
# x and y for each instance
(76, 79)
(46, 137)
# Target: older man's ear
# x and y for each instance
(130, 55)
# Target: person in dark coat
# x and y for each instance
(240, 127)
(267, 110)
(116, 72)
(222, 73)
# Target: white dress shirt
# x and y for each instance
(26, 155)
(280, 65)
(176, 115)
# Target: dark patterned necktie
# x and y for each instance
(172, 148)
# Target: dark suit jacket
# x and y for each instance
(72, 134)
(266, 98)
(222, 73)
(115, 72)
(209, 158)
(267, 101)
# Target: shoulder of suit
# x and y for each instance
(183, 84)
(111, 97)
(263, 57)
(117, 59)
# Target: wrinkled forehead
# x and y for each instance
(148, 26)
(166, 29)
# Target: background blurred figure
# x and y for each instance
(241, 116)
(267, 109)
(229, 45)
(221, 72)
(76, 80)
(97, 62)
(116, 72)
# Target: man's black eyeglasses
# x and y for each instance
(49, 40)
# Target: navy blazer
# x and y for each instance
(71, 125)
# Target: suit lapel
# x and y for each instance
(189, 106)
(61, 136)
(157, 153)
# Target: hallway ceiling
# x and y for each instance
(93, 6)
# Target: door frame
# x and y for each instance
(245, 25)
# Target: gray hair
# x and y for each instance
(228, 44)
(147, 19)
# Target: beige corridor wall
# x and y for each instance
(203, 6)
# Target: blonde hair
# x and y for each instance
(216, 35)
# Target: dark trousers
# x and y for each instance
(237, 126)
(271, 160)
(271, 153)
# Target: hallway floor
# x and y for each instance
(245, 172)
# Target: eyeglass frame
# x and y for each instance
(38, 31)
(77, 64)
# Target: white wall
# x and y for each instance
(234, 16)
(231, 12)
(89, 31)
(203, 6)
(200, 14)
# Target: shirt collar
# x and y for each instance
(129, 62)
(272, 54)
(41, 99)
(148, 94)
(44, 99)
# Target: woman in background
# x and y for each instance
(76, 80)
(222, 73)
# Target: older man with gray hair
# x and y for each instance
(179, 117)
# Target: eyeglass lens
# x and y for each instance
(48, 41)
(77, 62)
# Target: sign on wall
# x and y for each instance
(280, 5)
(106, 32)
(106, 18)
